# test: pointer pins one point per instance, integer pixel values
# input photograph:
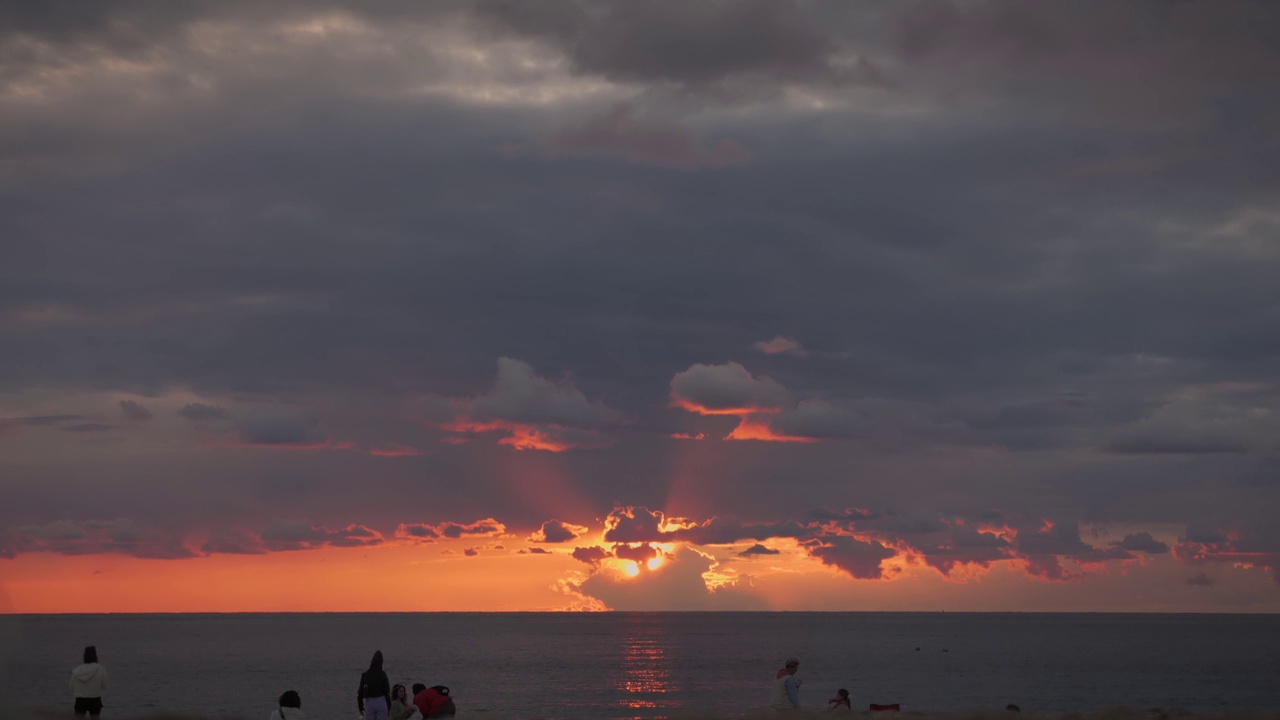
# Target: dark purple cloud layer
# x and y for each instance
(261, 263)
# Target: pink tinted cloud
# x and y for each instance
(780, 345)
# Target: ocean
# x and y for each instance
(651, 665)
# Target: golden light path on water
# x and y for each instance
(647, 674)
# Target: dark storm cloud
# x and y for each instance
(1142, 542)
(591, 555)
(859, 558)
(729, 388)
(1043, 233)
(135, 411)
(1079, 48)
(554, 531)
(122, 535)
(693, 44)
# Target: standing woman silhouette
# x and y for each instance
(374, 696)
(87, 683)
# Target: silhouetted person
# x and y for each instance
(374, 696)
(290, 707)
(433, 701)
(87, 683)
(786, 688)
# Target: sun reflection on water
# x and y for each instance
(647, 678)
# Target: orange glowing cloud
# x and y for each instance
(780, 345)
(750, 429)
(526, 436)
(693, 407)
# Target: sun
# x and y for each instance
(631, 568)
(655, 562)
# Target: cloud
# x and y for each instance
(592, 555)
(1142, 542)
(994, 48)
(635, 553)
(758, 549)
(619, 133)
(1043, 550)
(44, 420)
(303, 535)
(1239, 547)
(780, 345)
(633, 524)
(92, 537)
(555, 531)
(282, 428)
(1198, 426)
(536, 413)
(765, 409)
(417, 531)
(426, 533)
(728, 389)
(134, 411)
(89, 427)
(677, 584)
(861, 559)
(199, 412)
(233, 542)
(1200, 579)
(487, 527)
(694, 45)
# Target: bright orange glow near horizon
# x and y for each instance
(750, 429)
(387, 578)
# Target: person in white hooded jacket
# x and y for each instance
(87, 683)
(290, 707)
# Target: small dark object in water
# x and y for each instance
(895, 707)
(1012, 708)
(917, 649)
(945, 650)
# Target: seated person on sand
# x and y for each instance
(290, 707)
(840, 701)
(786, 687)
(433, 701)
(402, 708)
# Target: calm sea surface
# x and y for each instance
(645, 665)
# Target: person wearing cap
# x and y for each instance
(786, 688)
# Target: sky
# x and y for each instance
(721, 305)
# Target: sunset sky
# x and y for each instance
(723, 305)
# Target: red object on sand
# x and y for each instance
(896, 707)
